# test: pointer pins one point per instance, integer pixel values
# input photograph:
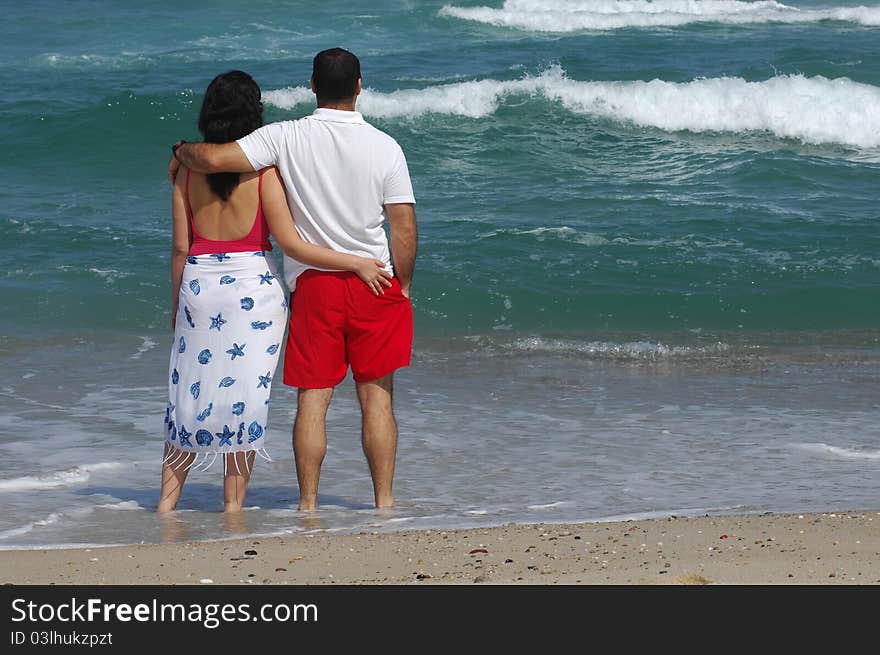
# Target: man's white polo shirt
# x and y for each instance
(339, 172)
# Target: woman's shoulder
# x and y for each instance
(182, 175)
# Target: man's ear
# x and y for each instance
(312, 84)
(357, 90)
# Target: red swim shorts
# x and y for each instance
(336, 321)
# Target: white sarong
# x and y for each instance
(230, 322)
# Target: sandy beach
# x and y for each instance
(825, 548)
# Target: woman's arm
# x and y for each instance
(180, 241)
(277, 213)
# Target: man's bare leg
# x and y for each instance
(310, 442)
(379, 435)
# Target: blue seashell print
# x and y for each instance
(173, 431)
(260, 325)
(264, 380)
(272, 349)
(183, 435)
(192, 260)
(217, 322)
(220, 256)
(227, 279)
(247, 304)
(225, 437)
(226, 382)
(238, 435)
(205, 413)
(194, 286)
(204, 438)
(175, 376)
(194, 390)
(238, 408)
(255, 431)
(205, 356)
(181, 346)
(266, 278)
(189, 318)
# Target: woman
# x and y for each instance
(229, 309)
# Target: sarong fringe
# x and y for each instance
(185, 460)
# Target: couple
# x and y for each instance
(340, 178)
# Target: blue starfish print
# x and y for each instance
(266, 278)
(264, 380)
(225, 437)
(221, 256)
(236, 350)
(217, 322)
(183, 435)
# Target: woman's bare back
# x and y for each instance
(220, 220)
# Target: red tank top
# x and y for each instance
(256, 239)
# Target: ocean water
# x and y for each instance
(648, 280)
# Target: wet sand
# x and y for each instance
(825, 548)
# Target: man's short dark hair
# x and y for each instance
(335, 73)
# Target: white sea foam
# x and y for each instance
(577, 15)
(52, 479)
(632, 350)
(123, 505)
(75, 513)
(109, 275)
(814, 110)
(27, 527)
(844, 453)
(147, 344)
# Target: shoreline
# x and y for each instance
(809, 548)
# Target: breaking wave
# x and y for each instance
(577, 15)
(814, 110)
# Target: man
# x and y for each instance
(343, 177)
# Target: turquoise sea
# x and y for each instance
(648, 280)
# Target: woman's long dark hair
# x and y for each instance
(231, 109)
